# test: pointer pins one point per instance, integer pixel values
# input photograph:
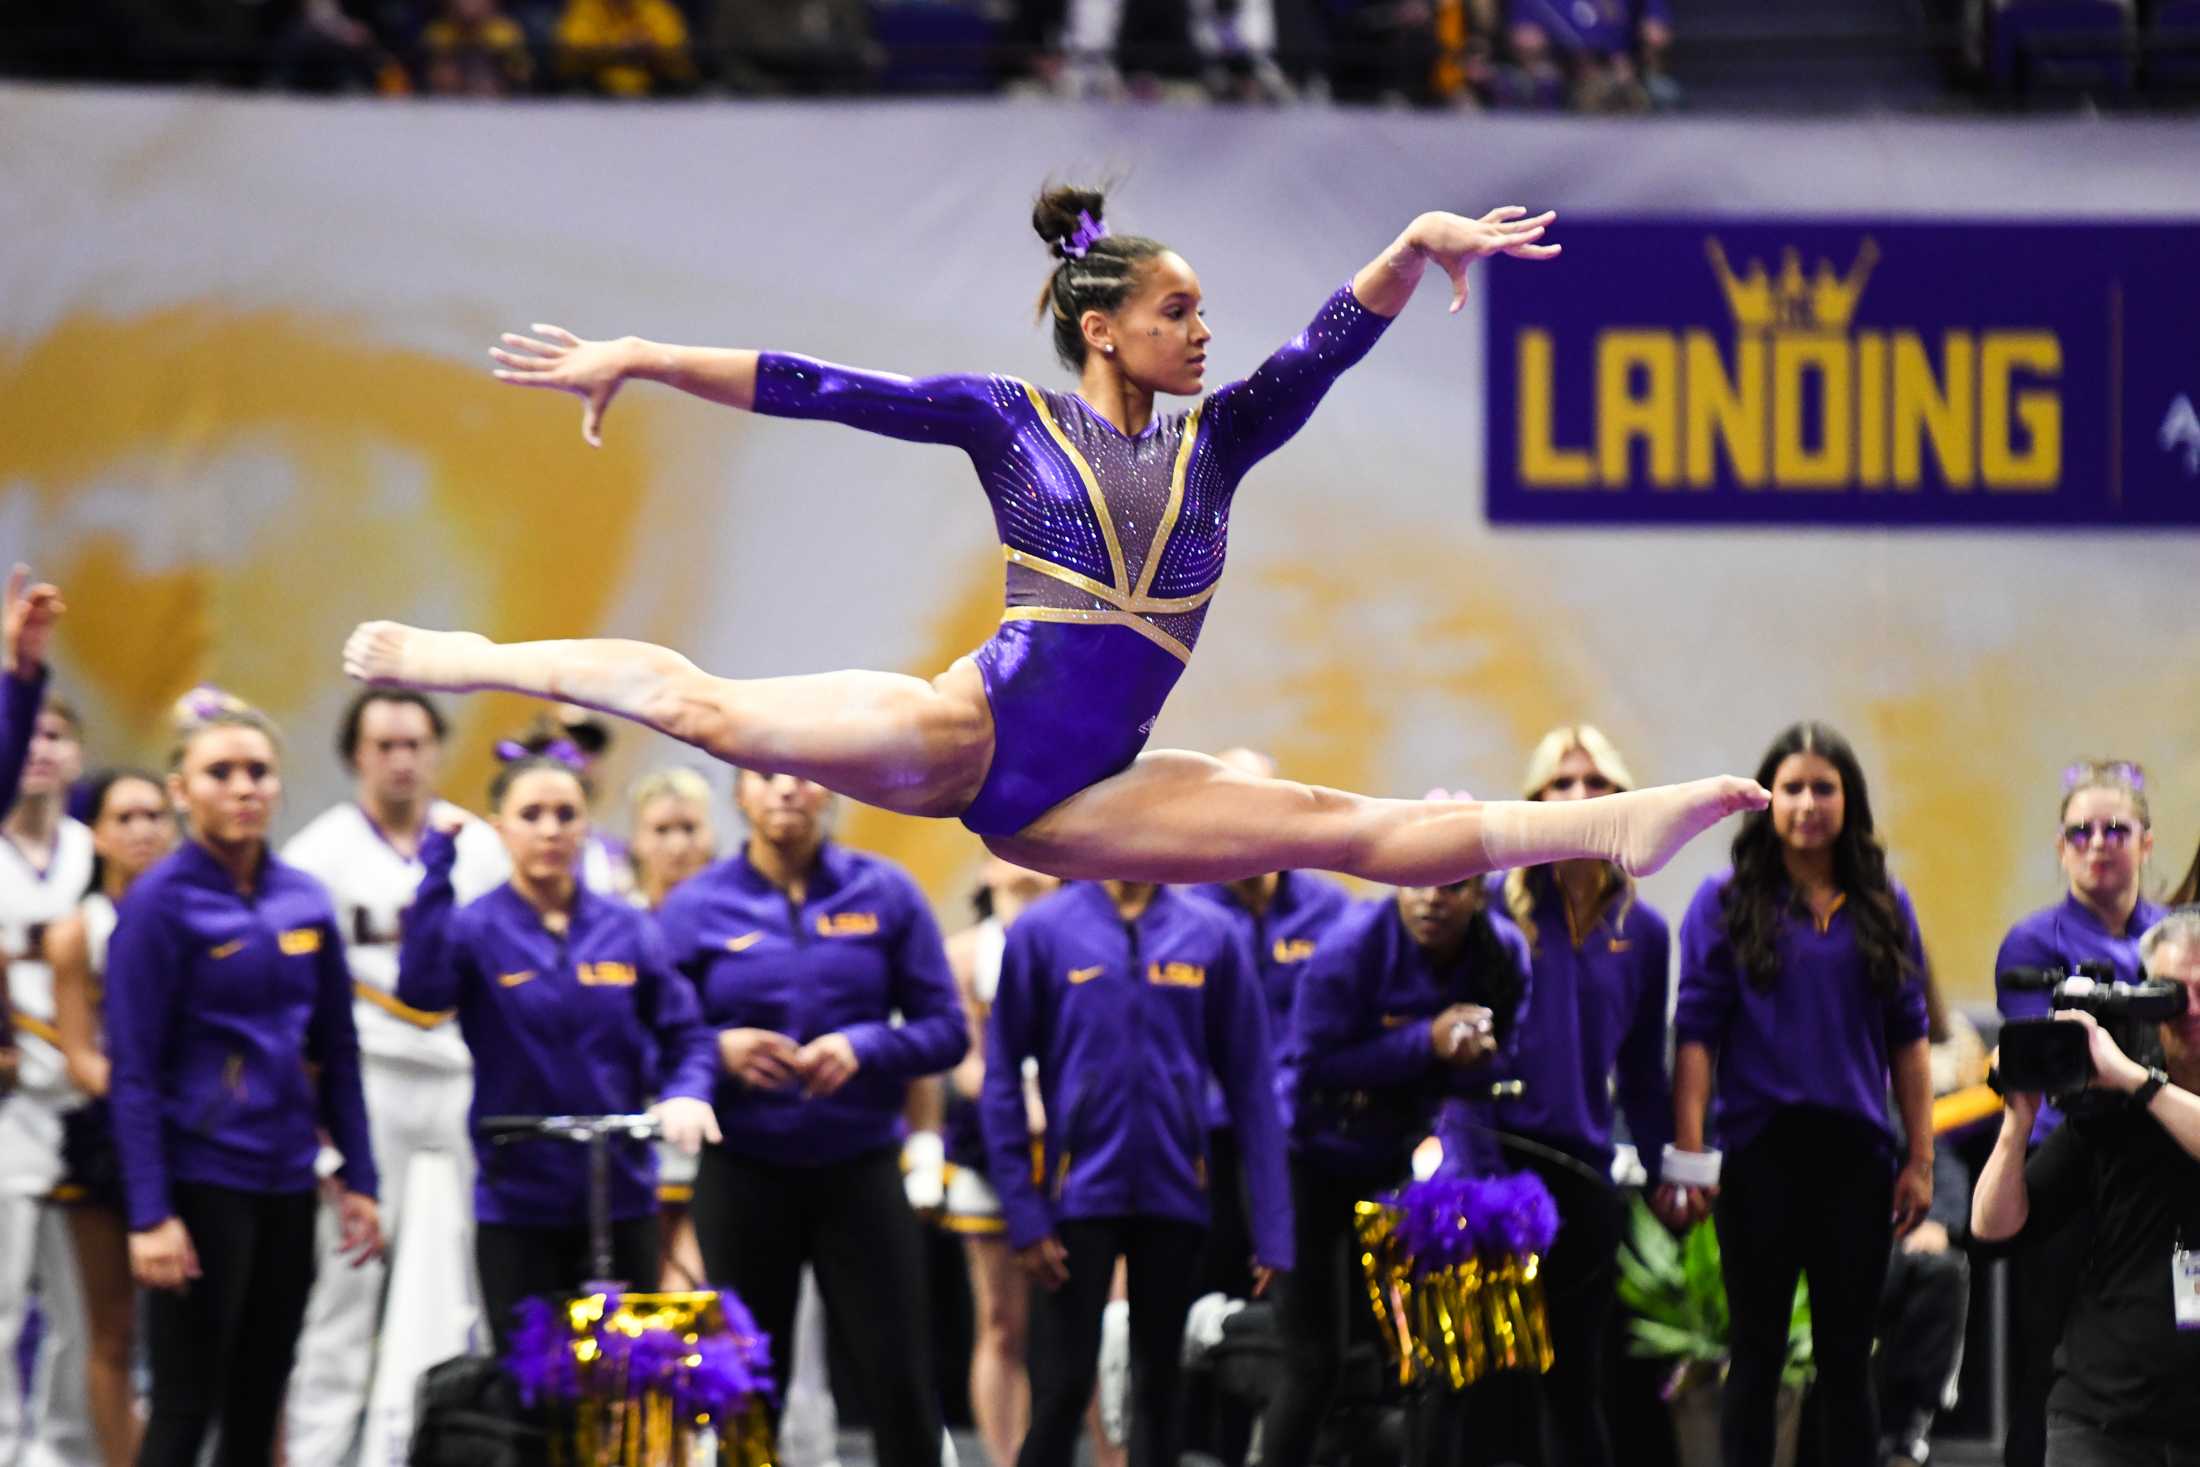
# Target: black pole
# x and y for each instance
(599, 1203)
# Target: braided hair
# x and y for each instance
(1099, 279)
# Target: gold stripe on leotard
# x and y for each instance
(1092, 486)
(1137, 624)
(1144, 604)
(1176, 504)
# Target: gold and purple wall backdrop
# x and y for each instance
(244, 405)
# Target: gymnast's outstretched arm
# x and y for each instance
(1251, 419)
(957, 410)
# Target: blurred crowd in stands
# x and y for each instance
(1581, 55)
(1593, 54)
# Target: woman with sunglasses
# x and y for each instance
(2103, 839)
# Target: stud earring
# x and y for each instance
(1109, 348)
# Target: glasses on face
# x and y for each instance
(2115, 834)
(1594, 783)
(2087, 772)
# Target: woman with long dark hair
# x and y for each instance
(1113, 517)
(230, 1031)
(132, 826)
(1802, 985)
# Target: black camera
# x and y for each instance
(2052, 1057)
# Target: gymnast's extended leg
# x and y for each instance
(1178, 817)
(896, 742)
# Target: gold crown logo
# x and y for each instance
(1789, 302)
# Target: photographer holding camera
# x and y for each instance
(2127, 1383)
(2103, 836)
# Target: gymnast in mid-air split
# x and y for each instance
(1112, 518)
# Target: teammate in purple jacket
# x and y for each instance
(1600, 975)
(1802, 981)
(1129, 996)
(804, 952)
(1282, 916)
(1410, 1006)
(2103, 838)
(1113, 516)
(570, 1007)
(229, 1031)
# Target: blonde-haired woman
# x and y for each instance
(1599, 956)
(670, 838)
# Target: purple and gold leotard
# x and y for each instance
(1114, 543)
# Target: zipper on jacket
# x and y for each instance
(1138, 1026)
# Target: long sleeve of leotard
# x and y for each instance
(964, 411)
(1251, 419)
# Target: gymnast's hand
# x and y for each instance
(592, 371)
(1454, 241)
(161, 1257)
(687, 1122)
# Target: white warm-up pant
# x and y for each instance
(37, 1260)
(410, 1109)
(1095, 28)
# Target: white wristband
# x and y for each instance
(1689, 1168)
(923, 1149)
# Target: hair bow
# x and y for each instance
(562, 750)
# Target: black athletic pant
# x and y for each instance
(1226, 1260)
(1812, 1195)
(2043, 1282)
(1922, 1316)
(1579, 1276)
(1313, 1304)
(2075, 1443)
(517, 1261)
(758, 1223)
(222, 1348)
(1163, 1261)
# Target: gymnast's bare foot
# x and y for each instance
(1669, 817)
(386, 654)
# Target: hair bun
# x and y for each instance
(1056, 216)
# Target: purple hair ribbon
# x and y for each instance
(1090, 231)
(510, 750)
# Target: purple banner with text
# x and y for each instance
(1848, 373)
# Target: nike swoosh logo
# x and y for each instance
(1084, 975)
(514, 980)
(227, 950)
(744, 942)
